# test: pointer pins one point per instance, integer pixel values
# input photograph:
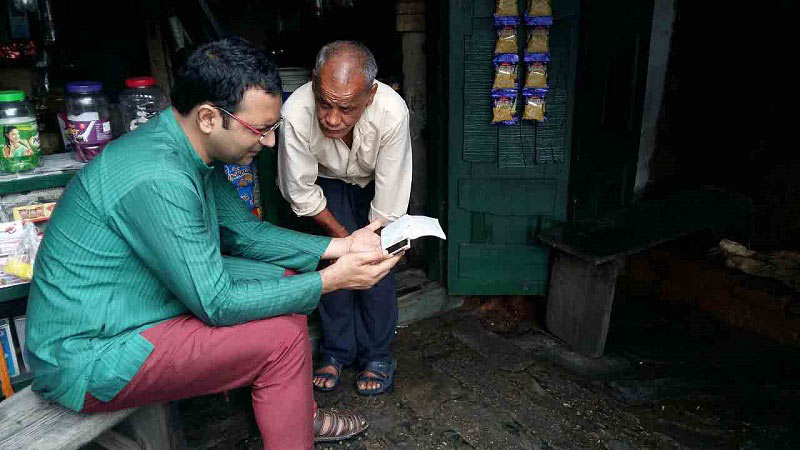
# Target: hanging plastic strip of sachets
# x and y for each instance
(539, 13)
(505, 87)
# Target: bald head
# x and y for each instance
(344, 86)
(341, 61)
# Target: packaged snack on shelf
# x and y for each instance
(506, 13)
(20, 261)
(536, 57)
(243, 179)
(539, 12)
(506, 40)
(538, 40)
(534, 108)
(504, 109)
(35, 213)
(505, 77)
(536, 75)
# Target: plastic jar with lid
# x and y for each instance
(140, 101)
(20, 139)
(88, 119)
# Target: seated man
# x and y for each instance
(132, 301)
(344, 159)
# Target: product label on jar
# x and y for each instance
(20, 146)
(90, 132)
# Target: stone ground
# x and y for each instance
(487, 376)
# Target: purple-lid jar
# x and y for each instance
(88, 118)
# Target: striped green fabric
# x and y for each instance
(137, 238)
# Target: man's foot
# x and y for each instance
(377, 378)
(326, 378)
(330, 426)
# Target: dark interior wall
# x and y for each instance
(294, 31)
(725, 117)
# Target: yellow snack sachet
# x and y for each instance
(506, 40)
(506, 8)
(538, 40)
(539, 8)
(536, 76)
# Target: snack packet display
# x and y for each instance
(506, 40)
(243, 178)
(505, 78)
(534, 108)
(536, 75)
(538, 40)
(539, 12)
(506, 13)
(20, 260)
(504, 109)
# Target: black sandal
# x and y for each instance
(381, 372)
(331, 426)
(326, 361)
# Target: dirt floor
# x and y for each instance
(486, 376)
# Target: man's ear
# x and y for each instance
(372, 92)
(206, 116)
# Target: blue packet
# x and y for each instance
(505, 77)
(534, 108)
(535, 92)
(536, 57)
(539, 13)
(504, 109)
(505, 21)
(500, 58)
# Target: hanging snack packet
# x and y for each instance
(538, 40)
(506, 40)
(534, 108)
(505, 78)
(506, 13)
(536, 76)
(539, 13)
(504, 109)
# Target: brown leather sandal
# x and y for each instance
(330, 426)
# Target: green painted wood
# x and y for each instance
(10, 293)
(503, 182)
(508, 197)
(35, 183)
(642, 225)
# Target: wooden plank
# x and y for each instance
(579, 302)
(112, 440)
(632, 229)
(29, 421)
(155, 427)
(14, 292)
(523, 197)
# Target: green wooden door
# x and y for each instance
(505, 182)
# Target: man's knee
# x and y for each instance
(288, 328)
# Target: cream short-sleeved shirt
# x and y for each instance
(381, 151)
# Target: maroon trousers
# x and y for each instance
(191, 358)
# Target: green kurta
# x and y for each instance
(137, 238)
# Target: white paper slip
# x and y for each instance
(398, 235)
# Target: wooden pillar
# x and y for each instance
(411, 23)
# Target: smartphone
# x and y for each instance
(399, 247)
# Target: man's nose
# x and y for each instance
(334, 118)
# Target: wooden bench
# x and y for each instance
(590, 253)
(27, 421)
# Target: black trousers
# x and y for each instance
(357, 326)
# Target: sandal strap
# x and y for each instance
(382, 371)
(331, 424)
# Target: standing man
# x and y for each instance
(131, 300)
(344, 159)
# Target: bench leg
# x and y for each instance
(579, 302)
(155, 427)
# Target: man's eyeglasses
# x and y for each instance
(262, 133)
